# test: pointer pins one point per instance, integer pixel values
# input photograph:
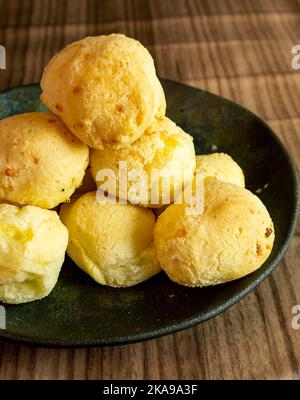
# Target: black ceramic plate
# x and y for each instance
(80, 312)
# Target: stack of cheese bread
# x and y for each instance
(106, 106)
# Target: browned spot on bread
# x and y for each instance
(108, 141)
(78, 125)
(52, 120)
(88, 57)
(59, 107)
(35, 160)
(181, 232)
(119, 108)
(269, 231)
(258, 249)
(11, 172)
(77, 89)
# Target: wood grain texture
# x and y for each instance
(240, 50)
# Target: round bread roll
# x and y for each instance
(33, 242)
(113, 243)
(105, 89)
(221, 166)
(231, 238)
(41, 162)
(164, 148)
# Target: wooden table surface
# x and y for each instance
(240, 50)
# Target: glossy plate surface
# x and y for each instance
(80, 312)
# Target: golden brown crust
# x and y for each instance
(113, 243)
(105, 89)
(33, 242)
(221, 166)
(164, 147)
(41, 162)
(225, 242)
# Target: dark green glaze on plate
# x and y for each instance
(80, 312)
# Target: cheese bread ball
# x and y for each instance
(164, 147)
(221, 166)
(231, 238)
(105, 89)
(33, 242)
(41, 162)
(113, 243)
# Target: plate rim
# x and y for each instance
(188, 322)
